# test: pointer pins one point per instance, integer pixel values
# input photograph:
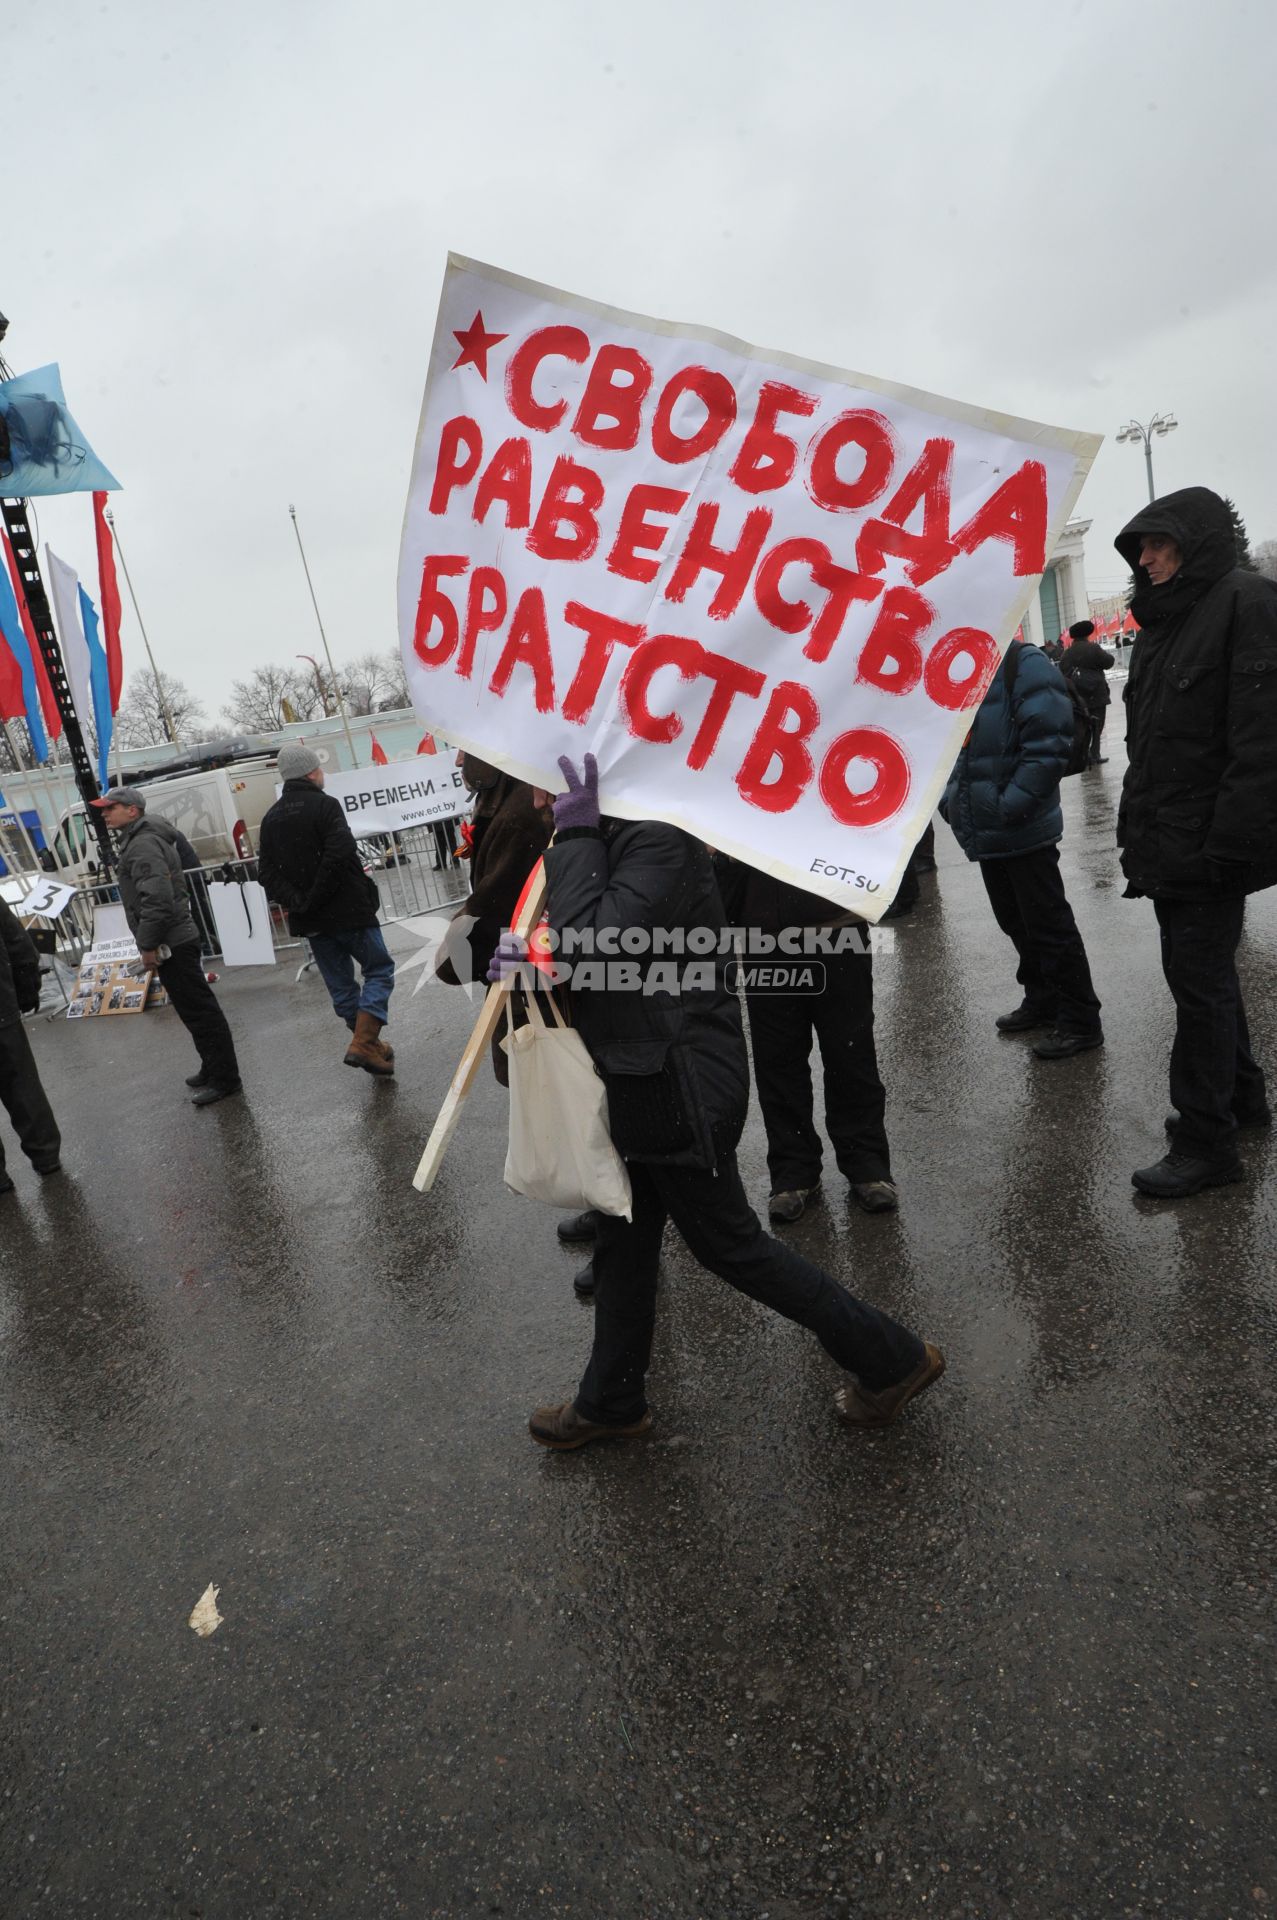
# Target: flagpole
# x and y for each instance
(332, 671)
(155, 675)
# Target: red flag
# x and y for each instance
(426, 744)
(110, 596)
(48, 703)
(378, 753)
(12, 704)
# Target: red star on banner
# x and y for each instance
(475, 344)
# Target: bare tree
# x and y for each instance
(140, 721)
(270, 697)
(396, 681)
(15, 735)
(365, 682)
(1265, 558)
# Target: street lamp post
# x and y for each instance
(1162, 423)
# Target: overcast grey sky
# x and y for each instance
(229, 225)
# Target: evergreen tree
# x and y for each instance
(1244, 558)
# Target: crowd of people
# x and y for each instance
(1197, 832)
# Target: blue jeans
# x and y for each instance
(336, 955)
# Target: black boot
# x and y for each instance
(583, 1283)
(1181, 1174)
(579, 1227)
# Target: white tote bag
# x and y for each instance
(560, 1148)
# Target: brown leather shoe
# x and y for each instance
(563, 1428)
(857, 1407)
(366, 1049)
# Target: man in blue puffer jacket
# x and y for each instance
(1003, 803)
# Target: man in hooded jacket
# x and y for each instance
(1197, 824)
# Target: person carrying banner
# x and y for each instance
(21, 1093)
(837, 1011)
(309, 862)
(1088, 663)
(677, 1078)
(1003, 804)
(1197, 824)
(158, 911)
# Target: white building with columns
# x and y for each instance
(1061, 597)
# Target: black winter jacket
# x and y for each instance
(752, 898)
(674, 1063)
(309, 861)
(1089, 665)
(157, 905)
(19, 969)
(1198, 817)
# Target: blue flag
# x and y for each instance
(15, 638)
(100, 684)
(42, 450)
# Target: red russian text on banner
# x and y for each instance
(767, 594)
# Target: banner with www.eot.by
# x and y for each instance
(398, 795)
(765, 593)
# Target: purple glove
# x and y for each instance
(511, 952)
(579, 806)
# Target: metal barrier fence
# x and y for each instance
(414, 872)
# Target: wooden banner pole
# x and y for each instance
(525, 919)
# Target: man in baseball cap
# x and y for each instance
(158, 909)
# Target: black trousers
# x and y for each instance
(1214, 1075)
(182, 977)
(723, 1231)
(841, 1019)
(25, 1101)
(1029, 903)
(1097, 733)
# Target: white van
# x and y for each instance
(219, 808)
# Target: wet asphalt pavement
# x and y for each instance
(1013, 1658)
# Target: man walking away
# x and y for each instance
(1197, 823)
(677, 1079)
(1003, 804)
(308, 860)
(158, 910)
(22, 1095)
(1088, 663)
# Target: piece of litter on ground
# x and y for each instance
(205, 1618)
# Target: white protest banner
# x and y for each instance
(403, 793)
(765, 593)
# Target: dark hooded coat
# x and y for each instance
(1089, 664)
(1198, 817)
(19, 969)
(674, 1063)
